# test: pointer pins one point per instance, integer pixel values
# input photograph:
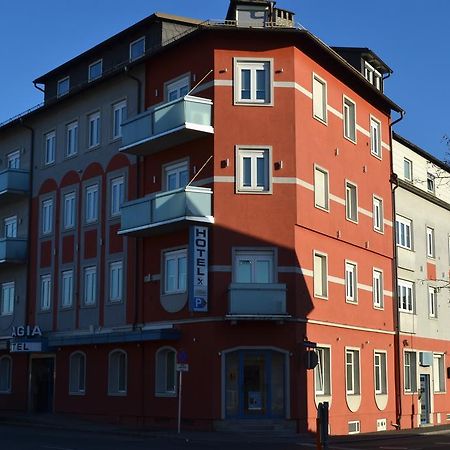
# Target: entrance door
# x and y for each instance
(42, 381)
(424, 399)
(255, 384)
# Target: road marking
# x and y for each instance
(394, 448)
(56, 448)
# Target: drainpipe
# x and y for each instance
(38, 88)
(397, 343)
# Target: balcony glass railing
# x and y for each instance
(13, 250)
(14, 182)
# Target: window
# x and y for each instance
(253, 170)
(432, 302)
(430, 243)
(403, 232)
(7, 299)
(92, 203)
(377, 289)
(321, 189)
(375, 137)
(349, 119)
(253, 82)
(410, 366)
(254, 267)
(407, 169)
(176, 175)
(405, 296)
(13, 160)
(351, 283)
(119, 116)
(431, 183)
(77, 374)
(95, 70)
(319, 99)
(373, 76)
(117, 373)
(177, 89)
(320, 275)
(165, 372)
(46, 292)
(380, 373)
(352, 372)
(438, 373)
(10, 227)
(351, 202)
(47, 216)
(115, 281)
(72, 139)
(117, 195)
(175, 271)
(50, 148)
(63, 87)
(67, 288)
(322, 372)
(69, 210)
(90, 285)
(378, 214)
(137, 48)
(5, 374)
(94, 129)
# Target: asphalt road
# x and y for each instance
(35, 438)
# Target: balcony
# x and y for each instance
(166, 211)
(167, 125)
(13, 251)
(14, 182)
(265, 301)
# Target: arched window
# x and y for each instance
(5, 374)
(117, 373)
(77, 374)
(166, 372)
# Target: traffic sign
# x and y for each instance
(182, 367)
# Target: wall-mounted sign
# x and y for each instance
(198, 269)
(25, 347)
(26, 331)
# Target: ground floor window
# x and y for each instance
(117, 373)
(165, 372)
(77, 374)
(5, 374)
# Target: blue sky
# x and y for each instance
(412, 37)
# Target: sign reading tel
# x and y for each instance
(198, 269)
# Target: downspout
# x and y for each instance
(397, 344)
(38, 88)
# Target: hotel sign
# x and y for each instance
(25, 347)
(198, 269)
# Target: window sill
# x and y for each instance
(378, 308)
(378, 231)
(355, 221)
(166, 394)
(251, 103)
(77, 394)
(321, 208)
(253, 191)
(353, 141)
(69, 157)
(93, 147)
(351, 302)
(117, 394)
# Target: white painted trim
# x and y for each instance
(348, 327)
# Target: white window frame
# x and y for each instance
(254, 255)
(320, 101)
(50, 147)
(439, 375)
(99, 62)
(351, 201)
(77, 374)
(91, 203)
(117, 195)
(46, 292)
(348, 105)
(322, 195)
(254, 153)
(375, 137)
(432, 302)
(13, 160)
(408, 176)
(320, 276)
(377, 289)
(137, 41)
(61, 82)
(353, 388)
(380, 372)
(72, 139)
(431, 183)
(90, 286)
(253, 65)
(351, 282)
(410, 371)
(115, 389)
(176, 169)
(162, 388)
(373, 76)
(404, 238)
(115, 281)
(67, 288)
(406, 288)
(378, 214)
(322, 372)
(69, 210)
(8, 384)
(10, 227)
(47, 216)
(8, 298)
(177, 256)
(431, 246)
(179, 87)
(94, 129)
(119, 114)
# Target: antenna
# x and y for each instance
(201, 81)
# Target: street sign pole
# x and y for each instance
(180, 385)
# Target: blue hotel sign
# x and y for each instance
(198, 269)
